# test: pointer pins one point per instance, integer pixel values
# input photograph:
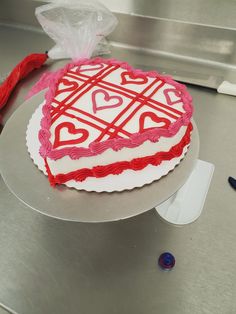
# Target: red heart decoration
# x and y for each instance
(168, 92)
(72, 85)
(84, 134)
(107, 99)
(159, 120)
(131, 78)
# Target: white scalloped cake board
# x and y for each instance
(186, 205)
(126, 181)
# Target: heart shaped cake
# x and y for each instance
(102, 118)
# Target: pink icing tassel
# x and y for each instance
(43, 83)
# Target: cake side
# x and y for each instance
(102, 169)
(109, 156)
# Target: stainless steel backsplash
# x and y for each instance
(216, 13)
(167, 34)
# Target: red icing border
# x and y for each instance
(95, 148)
(118, 167)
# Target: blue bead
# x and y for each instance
(166, 261)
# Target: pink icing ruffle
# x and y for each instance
(46, 149)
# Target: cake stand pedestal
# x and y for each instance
(186, 205)
(31, 186)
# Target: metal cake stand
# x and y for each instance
(31, 186)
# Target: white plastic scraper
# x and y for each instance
(186, 205)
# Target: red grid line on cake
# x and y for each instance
(99, 120)
(80, 91)
(57, 109)
(129, 93)
(90, 79)
(138, 98)
(96, 119)
(135, 97)
(85, 121)
(173, 113)
(111, 129)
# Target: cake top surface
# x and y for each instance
(96, 104)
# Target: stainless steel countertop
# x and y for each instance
(52, 266)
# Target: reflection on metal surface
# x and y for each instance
(213, 13)
(219, 14)
(4, 311)
(204, 52)
(197, 41)
(51, 266)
